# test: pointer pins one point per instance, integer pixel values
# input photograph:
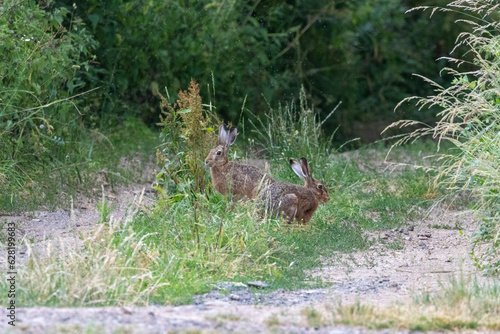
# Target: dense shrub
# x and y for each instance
(42, 67)
(361, 52)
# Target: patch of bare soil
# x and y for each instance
(66, 226)
(414, 260)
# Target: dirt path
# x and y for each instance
(166, 319)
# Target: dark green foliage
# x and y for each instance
(361, 52)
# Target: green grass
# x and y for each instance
(189, 239)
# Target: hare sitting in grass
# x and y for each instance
(243, 181)
(293, 201)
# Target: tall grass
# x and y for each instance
(187, 242)
(470, 120)
(291, 130)
(164, 255)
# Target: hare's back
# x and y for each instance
(248, 177)
(278, 189)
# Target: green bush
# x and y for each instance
(42, 67)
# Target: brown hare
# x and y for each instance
(293, 201)
(242, 181)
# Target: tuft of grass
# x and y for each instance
(291, 131)
(109, 271)
(272, 321)
(446, 227)
(314, 318)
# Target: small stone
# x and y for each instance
(36, 220)
(388, 235)
(215, 303)
(126, 310)
(407, 238)
(234, 297)
(258, 284)
(422, 245)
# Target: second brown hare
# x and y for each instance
(242, 181)
(293, 201)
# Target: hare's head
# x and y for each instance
(218, 156)
(304, 172)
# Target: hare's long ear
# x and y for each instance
(305, 168)
(232, 136)
(223, 135)
(297, 168)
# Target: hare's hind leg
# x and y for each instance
(288, 207)
(306, 217)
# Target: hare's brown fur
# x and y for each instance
(293, 201)
(242, 181)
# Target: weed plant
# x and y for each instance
(188, 133)
(470, 120)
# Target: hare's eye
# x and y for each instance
(219, 152)
(320, 186)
